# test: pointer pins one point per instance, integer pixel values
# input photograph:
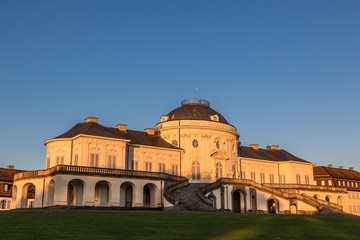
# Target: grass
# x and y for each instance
(103, 225)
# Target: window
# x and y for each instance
(357, 195)
(298, 179)
(282, 179)
(352, 184)
(47, 162)
(307, 179)
(217, 144)
(262, 177)
(174, 142)
(148, 166)
(253, 176)
(76, 160)
(344, 183)
(3, 204)
(218, 170)
(6, 187)
(322, 182)
(111, 161)
(94, 160)
(175, 169)
(59, 160)
(243, 175)
(348, 184)
(161, 167)
(135, 165)
(339, 183)
(195, 143)
(329, 183)
(271, 178)
(195, 171)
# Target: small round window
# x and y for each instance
(195, 143)
(174, 142)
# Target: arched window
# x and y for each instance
(218, 170)
(195, 170)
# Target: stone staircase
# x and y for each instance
(189, 199)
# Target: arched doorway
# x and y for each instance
(126, 194)
(339, 200)
(102, 194)
(238, 201)
(327, 199)
(293, 208)
(51, 192)
(75, 192)
(28, 196)
(149, 193)
(212, 198)
(272, 206)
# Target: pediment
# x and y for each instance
(219, 155)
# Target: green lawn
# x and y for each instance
(171, 225)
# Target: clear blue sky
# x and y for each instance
(282, 72)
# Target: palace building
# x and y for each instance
(190, 160)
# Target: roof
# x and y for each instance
(268, 154)
(195, 109)
(134, 137)
(321, 171)
(7, 175)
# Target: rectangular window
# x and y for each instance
(76, 160)
(94, 160)
(47, 162)
(262, 177)
(307, 179)
(135, 165)
(111, 161)
(339, 183)
(272, 178)
(298, 179)
(59, 160)
(148, 166)
(3, 204)
(175, 169)
(322, 182)
(282, 179)
(329, 183)
(253, 177)
(162, 167)
(6, 187)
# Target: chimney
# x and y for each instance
(341, 167)
(351, 168)
(149, 131)
(122, 127)
(330, 165)
(91, 119)
(10, 167)
(254, 146)
(272, 147)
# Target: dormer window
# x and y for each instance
(164, 118)
(214, 117)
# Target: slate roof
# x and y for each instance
(321, 171)
(135, 137)
(7, 175)
(268, 154)
(194, 111)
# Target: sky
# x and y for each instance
(283, 73)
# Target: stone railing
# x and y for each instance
(80, 170)
(266, 188)
(169, 189)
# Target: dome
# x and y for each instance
(195, 109)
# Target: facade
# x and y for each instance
(6, 186)
(342, 178)
(192, 148)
